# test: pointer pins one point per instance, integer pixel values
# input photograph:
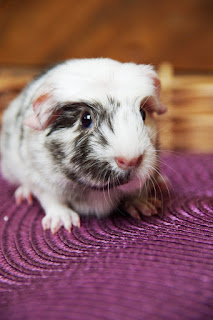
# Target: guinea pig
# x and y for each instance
(82, 139)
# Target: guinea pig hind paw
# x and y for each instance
(156, 202)
(22, 193)
(146, 207)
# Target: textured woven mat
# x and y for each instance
(114, 268)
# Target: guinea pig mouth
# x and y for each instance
(113, 183)
(112, 180)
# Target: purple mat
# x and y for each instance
(118, 267)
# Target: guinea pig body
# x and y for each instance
(82, 138)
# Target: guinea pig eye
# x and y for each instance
(86, 120)
(143, 114)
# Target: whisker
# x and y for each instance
(165, 182)
(171, 168)
(163, 128)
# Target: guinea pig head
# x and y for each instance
(101, 131)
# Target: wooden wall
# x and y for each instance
(34, 34)
(150, 31)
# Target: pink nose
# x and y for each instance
(125, 164)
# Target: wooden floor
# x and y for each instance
(188, 125)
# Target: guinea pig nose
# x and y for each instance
(126, 164)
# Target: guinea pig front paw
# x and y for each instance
(141, 206)
(23, 193)
(55, 218)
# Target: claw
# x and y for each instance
(30, 199)
(133, 212)
(21, 194)
(156, 202)
(19, 199)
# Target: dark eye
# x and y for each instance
(86, 120)
(143, 114)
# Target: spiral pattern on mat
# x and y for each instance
(117, 267)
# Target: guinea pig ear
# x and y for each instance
(43, 112)
(153, 103)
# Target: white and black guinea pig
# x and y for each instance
(82, 139)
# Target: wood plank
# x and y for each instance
(45, 31)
